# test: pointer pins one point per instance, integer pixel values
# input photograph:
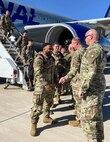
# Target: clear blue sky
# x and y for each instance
(75, 9)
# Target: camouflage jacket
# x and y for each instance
(22, 41)
(60, 66)
(67, 58)
(30, 54)
(74, 72)
(27, 54)
(6, 22)
(92, 67)
(44, 68)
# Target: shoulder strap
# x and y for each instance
(42, 57)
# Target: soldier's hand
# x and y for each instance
(56, 62)
(62, 80)
(48, 88)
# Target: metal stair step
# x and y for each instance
(12, 50)
(14, 53)
(7, 45)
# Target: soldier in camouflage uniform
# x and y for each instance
(7, 25)
(30, 53)
(44, 87)
(73, 75)
(59, 63)
(28, 59)
(92, 88)
(67, 58)
(22, 41)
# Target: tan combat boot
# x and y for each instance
(33, 131)
(74, 123)
(48, 119)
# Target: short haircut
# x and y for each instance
(55, 43)
(77, 39)
(45, 44)
(30, 40)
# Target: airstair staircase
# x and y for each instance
(11, 65)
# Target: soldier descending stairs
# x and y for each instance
(11, 65)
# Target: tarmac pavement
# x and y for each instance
(15, 105)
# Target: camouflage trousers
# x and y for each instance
(92, 118)
(77, 102)
(41, 103)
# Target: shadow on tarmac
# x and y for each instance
(107, 69)
(61, 121)
(2, 80)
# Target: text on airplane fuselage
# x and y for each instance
(17, 15)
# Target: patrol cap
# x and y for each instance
(76, 39)
(56, 43)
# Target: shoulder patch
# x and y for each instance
(92, 55)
